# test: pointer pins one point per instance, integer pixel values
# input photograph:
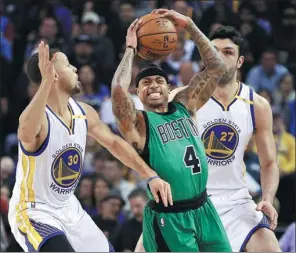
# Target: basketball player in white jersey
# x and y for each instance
(44, 213)
(226, 123)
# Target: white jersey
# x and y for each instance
(50, 175)
(225, 132)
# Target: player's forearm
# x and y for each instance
(208, 52)
(124, 152)
(32, 117)
(269, 181)
(123, 74)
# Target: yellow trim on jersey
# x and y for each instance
(245, 100)
(27, 195)
(78, 117)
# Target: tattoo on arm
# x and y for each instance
(203, 84)
(208, 52)
(122, 103)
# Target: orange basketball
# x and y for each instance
(157, 37)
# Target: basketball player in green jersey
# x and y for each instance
(166, 137)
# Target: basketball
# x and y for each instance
(157, 37)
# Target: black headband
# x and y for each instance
(151, 71)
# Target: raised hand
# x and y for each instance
(178, 19)
(46, 66)
(131, 36)
(157, 185)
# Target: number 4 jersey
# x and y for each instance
(174, 150)
(50, 175)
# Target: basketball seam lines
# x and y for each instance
(155, 34)
(161, 50)
(146, 23)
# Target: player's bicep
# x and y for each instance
(32, 144)
(124, 109)
(264, 136)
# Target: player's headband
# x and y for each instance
(152, 70)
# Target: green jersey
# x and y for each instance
(174, 150)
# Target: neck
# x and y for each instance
(227, 92)
(162, 108)
(58, 101)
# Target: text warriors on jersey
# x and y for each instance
(66, 168)
(220, 138)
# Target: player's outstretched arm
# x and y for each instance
(33, 117)
(126, 154)
(267, 156)
(122, 104)
(203, 84)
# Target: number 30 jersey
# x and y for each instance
(50, 175)
(225, 132)
(174, 150)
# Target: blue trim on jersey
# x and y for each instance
(227, 108)
(222, 106)
(264, 223)
(49, 237)
(252, 108)
(28, 244)
(68, 129)
(73, 120)
(42, 147)
(235, 98)
(83, 112)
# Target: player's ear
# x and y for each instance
(240, 61)
(137, 91)
(169, 88)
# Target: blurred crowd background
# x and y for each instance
(92, 34)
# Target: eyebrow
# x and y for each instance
(225, 48)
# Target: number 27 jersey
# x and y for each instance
(174, 150)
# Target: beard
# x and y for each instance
(75, 90)
(228, 75)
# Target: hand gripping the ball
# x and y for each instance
(131, 36)
(178, 19)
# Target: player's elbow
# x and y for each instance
(24, 135)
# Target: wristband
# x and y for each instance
(151, 178)
(135, 50)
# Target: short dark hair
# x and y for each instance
(229, 32)
(138, 192)
(100, 177)
(33, 71)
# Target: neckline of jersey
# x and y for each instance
(227, 107)
(171, 109)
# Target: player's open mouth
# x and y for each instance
(155, 95)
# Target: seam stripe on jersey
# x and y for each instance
(83, 112)
(245, 100)
(252, 109)
(31, 193)
(22, 217)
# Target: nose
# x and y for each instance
(154, 84)
(74, 69)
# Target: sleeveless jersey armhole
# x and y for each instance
(145, 154)
(252, 109)
(43, 146)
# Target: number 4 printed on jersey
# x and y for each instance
(191, 160)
